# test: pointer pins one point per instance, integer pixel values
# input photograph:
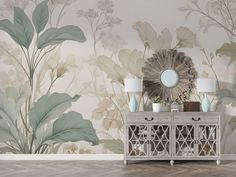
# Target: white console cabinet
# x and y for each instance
(172, 136)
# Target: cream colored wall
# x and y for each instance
(93, 75)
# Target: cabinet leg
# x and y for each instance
(218, 162)
(172, 162)
(125, 162)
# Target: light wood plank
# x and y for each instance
(116, 169)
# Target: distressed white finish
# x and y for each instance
(172, 136)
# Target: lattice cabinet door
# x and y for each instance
(184, 143)
(207, 141)
(137, 140)
(160, 140)
(172, 136)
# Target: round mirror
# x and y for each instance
(169, 78)
(169, 74)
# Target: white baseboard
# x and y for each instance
(79, 157)
(61, 156)
(228, 156)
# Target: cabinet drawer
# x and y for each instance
(196, 119)
(148, 118)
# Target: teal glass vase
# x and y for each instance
(133, 104)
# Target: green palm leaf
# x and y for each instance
(24, 29)
(40, 16)
(49, 107)
(54, 36)
(72, 127)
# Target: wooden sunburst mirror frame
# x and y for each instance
(180, 82)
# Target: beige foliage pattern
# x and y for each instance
(149, 37)
(112, 59)
(146, 33)
(113, 70)
(101, 109)
(112, 120)
(132, 61)
(229, 50)
(186, 38)
(164, 40)
(108, 111)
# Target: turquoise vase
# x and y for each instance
(133, 104)
(205, 103)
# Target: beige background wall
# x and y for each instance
(123, 27)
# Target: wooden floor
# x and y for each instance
(116, 169)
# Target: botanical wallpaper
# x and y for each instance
(63, 63)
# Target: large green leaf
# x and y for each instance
(19, 141)
(8, 119)
(6, 149)
(72, 127)
(40, 16)
(8, 27)
(42, 134)
(49, 107)
(116, 145)
(228, 49)
(8, 109)
(47, 38)
(5, 133)
(54, 36)
(24, 29)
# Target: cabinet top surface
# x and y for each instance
(173, 113)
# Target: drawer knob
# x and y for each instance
(149, 119)
(194, 119)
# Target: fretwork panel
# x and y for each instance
(138, 140)
(184, 140)
(160, 140)
(207, 140)
(172, 136)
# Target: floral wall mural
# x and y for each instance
(63, 63)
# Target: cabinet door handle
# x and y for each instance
(149, 119)
(196, 119)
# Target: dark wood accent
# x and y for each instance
(191, 106)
